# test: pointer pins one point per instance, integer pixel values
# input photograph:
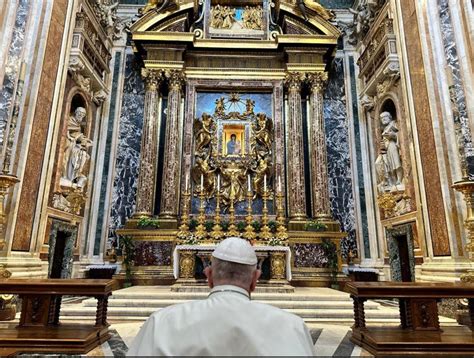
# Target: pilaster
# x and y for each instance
(149, 148)
(295, 153)
(172, 156)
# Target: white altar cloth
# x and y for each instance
(178, 248)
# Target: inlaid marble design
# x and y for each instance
(12, 66)
(310, 255)
(457, 94)
(153, 253)
(128, 151)
(339, 166)
(403, 232)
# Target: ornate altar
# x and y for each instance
(231, 90)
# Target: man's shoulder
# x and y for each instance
(175, 309)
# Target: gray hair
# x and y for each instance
(225, 272)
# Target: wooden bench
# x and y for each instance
(419, 332)
(40, 329)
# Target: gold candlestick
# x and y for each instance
(265, 232)
(232, 230)
(466, 187)
(282, 233)
(201, 232)
(183, 230)
(217, 232)
(249, 233)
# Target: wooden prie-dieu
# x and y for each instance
(40, 329)
(419, 332)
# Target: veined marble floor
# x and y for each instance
(329, 340)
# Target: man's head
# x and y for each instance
(233, 263)
(80, 113)
(233, 137)
(385, 118)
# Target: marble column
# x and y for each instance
(149, 149)
(321, 207)
(295, 153)
(172, 157)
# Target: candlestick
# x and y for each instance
(265, 231)
(217, 232)
(201, 233)
(232, 230)
(249, 233)
(282, 233)
(183, 231)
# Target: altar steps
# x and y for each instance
(312, 304)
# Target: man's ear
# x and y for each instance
(255, 278)
(208, 273)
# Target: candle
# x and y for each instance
(218, 182)
(202, 182)
(248, 181)
(279, 184)
(187, 183)
(265, 182)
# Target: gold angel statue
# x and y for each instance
(263, 131)
(204, 169)
(203, 130)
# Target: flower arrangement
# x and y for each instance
(145, 222)
(191, 240)
(315, 225)
(274, 241)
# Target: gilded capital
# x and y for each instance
(293, 81)
(317, 81)
(175, 79)
(152, 79)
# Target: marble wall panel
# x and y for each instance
(429, 160)
(401, 232)
(339, 165)
(12, 66)
(107, 152)
(41, 121)
(128, 151)
(457, 93)
(153, 253)
(309, 255)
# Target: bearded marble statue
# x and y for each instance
(76, 153)
(389, 163)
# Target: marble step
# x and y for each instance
(157, 303)
(255, 296)
(306, 313)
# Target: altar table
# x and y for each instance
(209, 248)
(40, 330)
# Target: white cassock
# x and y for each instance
(226, 323)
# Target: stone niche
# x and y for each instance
(401, 252)
(73, 158)
(391, 162)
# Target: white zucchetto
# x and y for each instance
(235, 249)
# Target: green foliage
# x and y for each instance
(128, 251)
(331, 252)
(315, 226)
(272, 224)
(145, 222)
(208, 225)
(274, 241)
(256, 225)
(225, 225)
(241, 226)
(192, 224)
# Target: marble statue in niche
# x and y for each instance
(74, 169)
(388, 163)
